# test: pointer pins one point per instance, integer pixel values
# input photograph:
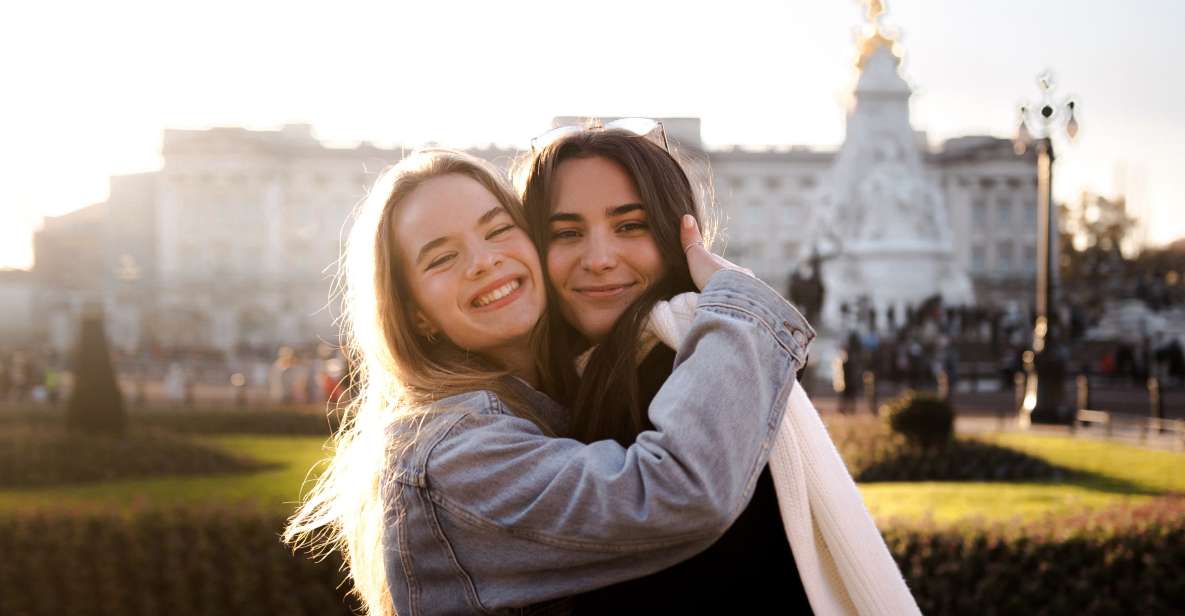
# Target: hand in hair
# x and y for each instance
(700, 261)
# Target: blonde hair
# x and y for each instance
(398, 374)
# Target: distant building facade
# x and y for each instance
(235, 240)
(233, 243)
(17, 301)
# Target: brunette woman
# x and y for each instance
(604, 206)
(604, 209)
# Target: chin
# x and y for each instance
(597, 331)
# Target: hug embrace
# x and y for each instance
(567, 404)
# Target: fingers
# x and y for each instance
(689, 233)
(700, 262)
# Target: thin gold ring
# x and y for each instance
(688, 247)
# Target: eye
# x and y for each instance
(440, 261)
(633, 225)
(567, 233)
(499, 231)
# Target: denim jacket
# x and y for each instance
(487, 514)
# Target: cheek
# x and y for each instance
(559, 261)
(647, 260)
(434, 299)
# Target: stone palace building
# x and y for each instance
(233, 243)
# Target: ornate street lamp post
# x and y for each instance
(1045, 363)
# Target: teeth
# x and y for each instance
(496, 294)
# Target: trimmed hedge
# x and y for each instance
(873, 452)
(284, 421)
(1125, 560)
(922, 418)
(177, 562)
(230, 561)
(269, 422)
(96, 403)
(33, 456)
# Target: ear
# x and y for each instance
(423, 325)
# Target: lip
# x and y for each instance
(603, 291)
(500, 302)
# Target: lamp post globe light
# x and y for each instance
(1045, 363)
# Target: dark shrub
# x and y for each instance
(873, 452)
(174, 561)
(256, 421)
(96, 404)
(1124, 560)
(286, 421)
(34, 456)
(923, 419)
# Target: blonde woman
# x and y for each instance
(452, 487)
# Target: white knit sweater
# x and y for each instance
(842, 559)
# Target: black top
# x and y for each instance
(751, 565)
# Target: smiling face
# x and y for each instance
(601, 256)
(474, 276)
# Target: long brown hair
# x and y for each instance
(611, 398)
(398, 374)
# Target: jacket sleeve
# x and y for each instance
(532, 517)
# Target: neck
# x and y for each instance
(518, 360)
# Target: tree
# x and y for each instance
(96, 403)
(1096, 237)
(1095, 245)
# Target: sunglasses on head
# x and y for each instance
(651, 130)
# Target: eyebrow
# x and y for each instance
(490, 214)
(612, 212)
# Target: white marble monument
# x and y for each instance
(878, 213)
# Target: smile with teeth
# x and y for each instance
(497, 294)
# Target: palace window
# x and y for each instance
(978, 258)
(1004, 255)
(1004, 211)
(1030, 262)
(979, 213)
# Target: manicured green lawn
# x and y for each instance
(1114, 473)
(276, 489)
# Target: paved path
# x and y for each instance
(975, 419)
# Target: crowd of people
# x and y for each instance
(309, 374)
(934, 342)
(31, 376)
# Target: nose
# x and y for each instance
(600, 255)
(484, 261)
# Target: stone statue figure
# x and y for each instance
(807, 289)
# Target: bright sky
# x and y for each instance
(90, 86)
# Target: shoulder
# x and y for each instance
(738, 295)
(450, 426)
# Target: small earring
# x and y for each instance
(430, 336)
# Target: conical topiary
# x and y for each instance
(96, 404)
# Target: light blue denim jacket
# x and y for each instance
(488, 514)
